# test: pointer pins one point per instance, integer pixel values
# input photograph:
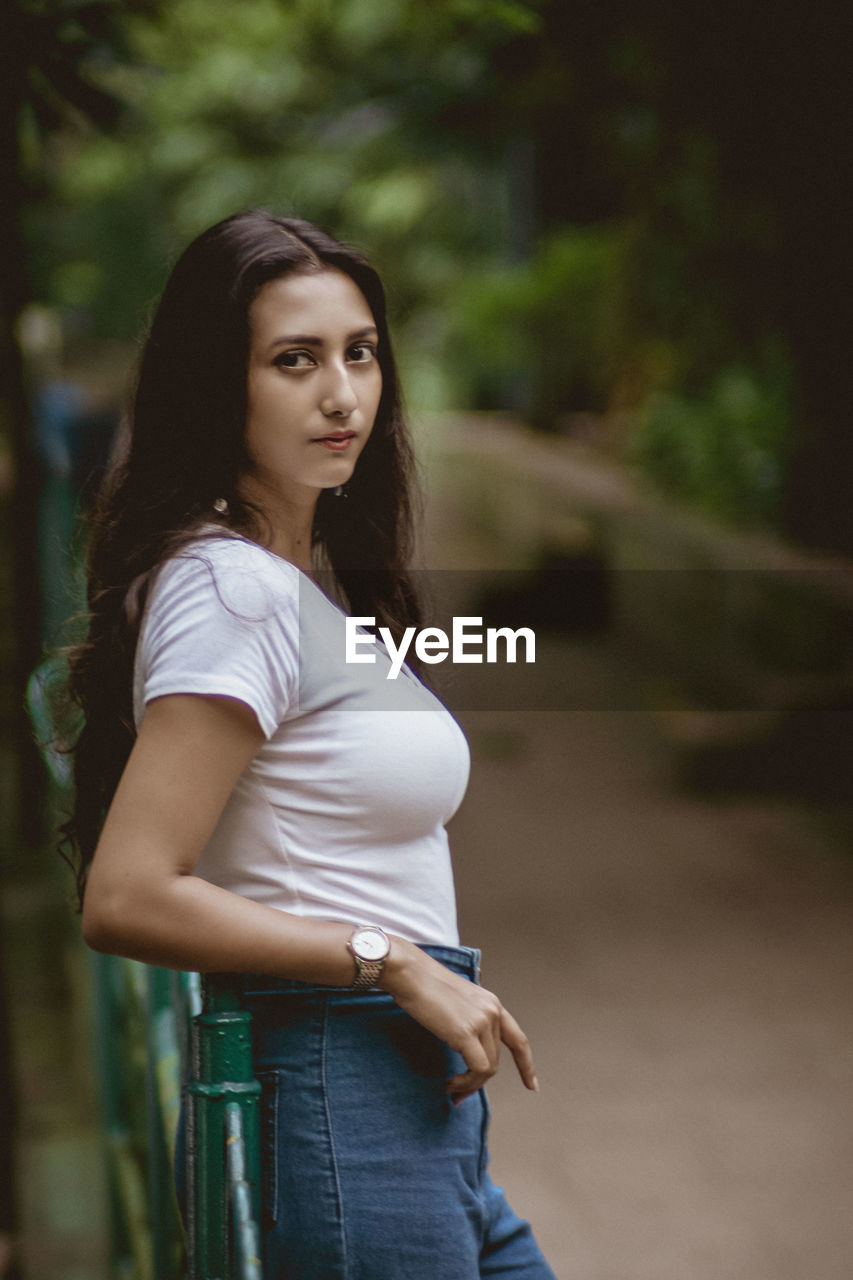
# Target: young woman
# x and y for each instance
(271, 810)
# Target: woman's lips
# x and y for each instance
(338, 442)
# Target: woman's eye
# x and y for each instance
(361, 353)
(294, 360)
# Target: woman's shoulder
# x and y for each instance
(241, 575)
(222, 618)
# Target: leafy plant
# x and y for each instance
(539, 336)
(724, 450)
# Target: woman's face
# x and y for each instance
(314, 382)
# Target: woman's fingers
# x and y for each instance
(481, 1058)
(519, 1046)
(481, 1055)
(465, 1086)
(469, 1018)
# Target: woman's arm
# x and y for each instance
(142, 899)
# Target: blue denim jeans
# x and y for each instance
(369, 1171)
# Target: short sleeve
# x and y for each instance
(223, 619)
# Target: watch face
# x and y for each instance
(370, 944)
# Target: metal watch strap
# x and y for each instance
(369, 973)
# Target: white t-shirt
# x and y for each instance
(341, 814)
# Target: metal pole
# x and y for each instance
(223, 1074)
(246, 1237)
(163, 1088)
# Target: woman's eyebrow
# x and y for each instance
(313, 340)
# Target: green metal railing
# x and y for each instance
(223, 1199)
(153, 1032)
(150, 1038)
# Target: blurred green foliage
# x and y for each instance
(560, 198)
(725, 450)
(541, 334)
(332, 110)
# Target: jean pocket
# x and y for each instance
(270, 1082)
(484, 1132)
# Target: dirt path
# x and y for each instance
(683, 966)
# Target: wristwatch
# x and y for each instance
(370, 947)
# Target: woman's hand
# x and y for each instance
(468, 1018)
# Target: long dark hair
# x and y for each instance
(182, 448)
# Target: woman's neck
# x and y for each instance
(290, 519)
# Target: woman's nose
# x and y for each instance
(339, 398)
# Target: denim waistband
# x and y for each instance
(463, 960)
